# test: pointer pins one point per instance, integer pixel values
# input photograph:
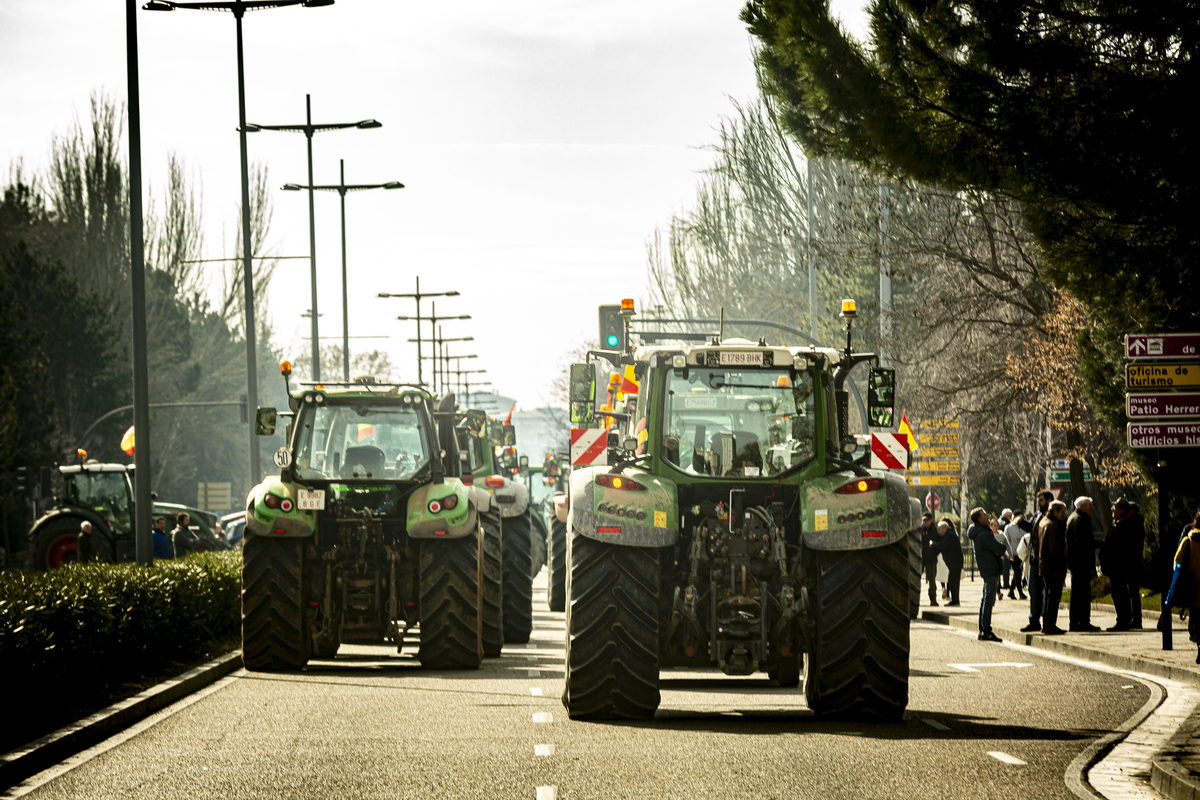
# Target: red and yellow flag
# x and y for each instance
(905, 428)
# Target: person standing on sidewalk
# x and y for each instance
(1081, 561)
(988, 555)
(1044, 498)
(999, 525)
(950, 549)
(1013, 534)
(1188, 554)
(1052, 563)
(1121, 558)
(929, 556)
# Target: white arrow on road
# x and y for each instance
(975, 667)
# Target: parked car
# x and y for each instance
(202, 522)
(234, 526)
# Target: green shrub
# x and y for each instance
(89, 627)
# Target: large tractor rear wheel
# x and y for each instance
(558, 565)
(612, 631)
(451, 597)
(56, 545)
(914, 574)
(518, 580)
(493, 576)
(273, 631)
(857, 665)
(538, 541)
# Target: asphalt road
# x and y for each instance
(372, 724)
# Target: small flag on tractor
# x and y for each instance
(127, 441)
(905, 428)
(628, 384)
(508, 419)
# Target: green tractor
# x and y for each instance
(368, 531)
(557, 475)
(729, 531)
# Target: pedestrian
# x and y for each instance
(162, 543)
(998, 527)
(989, 553)
(1033, 564)
(929, 557)
(950, 549)
(1188, 555)
(184, 540)
(85, 544)
(1081, 562)
(1052, 563)
(1013, 534)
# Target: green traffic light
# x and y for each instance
(612, 340)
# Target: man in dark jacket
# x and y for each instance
(184, 541)
(988, 554)
(1081, 561)
(929, 556)
(950, 549)
(1044, 498)
(1121, 558)
(1052, 563)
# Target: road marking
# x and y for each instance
(543, 749)
(1006, 758)
(974, 667)
(1130, 686)
(543, 716)
(533, 673)
(547, 792)
(536, 691)
(531, 645)
(937, 726)
(533, 658)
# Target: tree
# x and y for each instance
(1072, 109)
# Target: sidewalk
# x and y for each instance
(1176, 772)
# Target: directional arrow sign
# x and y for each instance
(933, 480)
(1162, 405)
(940, 452)
(1162, 345)
(1163, 434)
(1162, 376)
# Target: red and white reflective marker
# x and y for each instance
(889, 451)
(589, 447)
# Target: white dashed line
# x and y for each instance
(1129, 686)
(1006, 758)
(531, 645)
(547, 792)
(543, 749)
(543, 716)
(536, 691)
(533, 673)
(533, 658)
(937, 726)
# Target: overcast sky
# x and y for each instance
(541, 144)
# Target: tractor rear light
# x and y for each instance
(450, 502)
(861, 485)
(439, 533)
(280, 530)
(494, 482)
(619, 482)
(271, 501)
(608, 530)
(873, 534)
(468, 480)
(435, 506)
(286, 505)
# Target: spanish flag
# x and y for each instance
(906, 429)
(628, 384)
(127, 441)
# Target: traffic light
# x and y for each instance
(612, 329)
(22, 480)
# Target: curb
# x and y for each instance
(1170, 778)
(17, 765)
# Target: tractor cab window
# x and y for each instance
(106, 493)
(734, 421)
(361, 441)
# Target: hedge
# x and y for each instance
(86, 628)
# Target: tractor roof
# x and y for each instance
(360, 389)
(696, 354)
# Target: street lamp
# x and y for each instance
(308, 129)
(433, 320)
(435, 357)
(239, 8)
(417, 296)
(341, 188)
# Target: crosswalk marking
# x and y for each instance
(543, 749)
(1006, 758)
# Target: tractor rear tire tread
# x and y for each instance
(450, 599)
(493, 581)
(274, 637)
(518, 580)
(557, 596)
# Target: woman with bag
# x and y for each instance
(1185, 591)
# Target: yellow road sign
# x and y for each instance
(936, 466)
(937, 438)
(937, 424)
(1162, 376)
(940, 452)
(933, 480)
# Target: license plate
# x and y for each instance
(505, 499)
(310, 499)
(742, 359)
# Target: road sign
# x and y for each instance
(933, 480)
(218, 496)
(932, 501)
(1054, 490)
(1063, 476)
(1162, 405)
(937, 438)
(889, 451)
(1162, 345)
(940, 452)
(1060, 463)
(589, 447)
(939, 424)
(1162, 376)
(937, 466)
(1163, 434)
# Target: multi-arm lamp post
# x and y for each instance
(433, 319)
(435, 358)
(417, 296)
(239, 8)
(341, 188)
(446, 371)
(308, 129)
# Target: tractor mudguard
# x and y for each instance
(280, 519)
(425, 523)
(647, 517)
(512, 499)
(856, 520)
(560, 507)
(481, 499)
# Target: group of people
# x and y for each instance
(1039, 553)
(179, 542)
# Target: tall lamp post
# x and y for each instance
(467, 388)
(433, 320)
(446, 371)
(341, 187)
(417, 296)
(435, 357)
(239, 8)
(308, 129)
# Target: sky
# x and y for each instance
(540, 143)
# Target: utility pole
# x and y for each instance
(885, 276)
(419, 319)
(812, 262)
